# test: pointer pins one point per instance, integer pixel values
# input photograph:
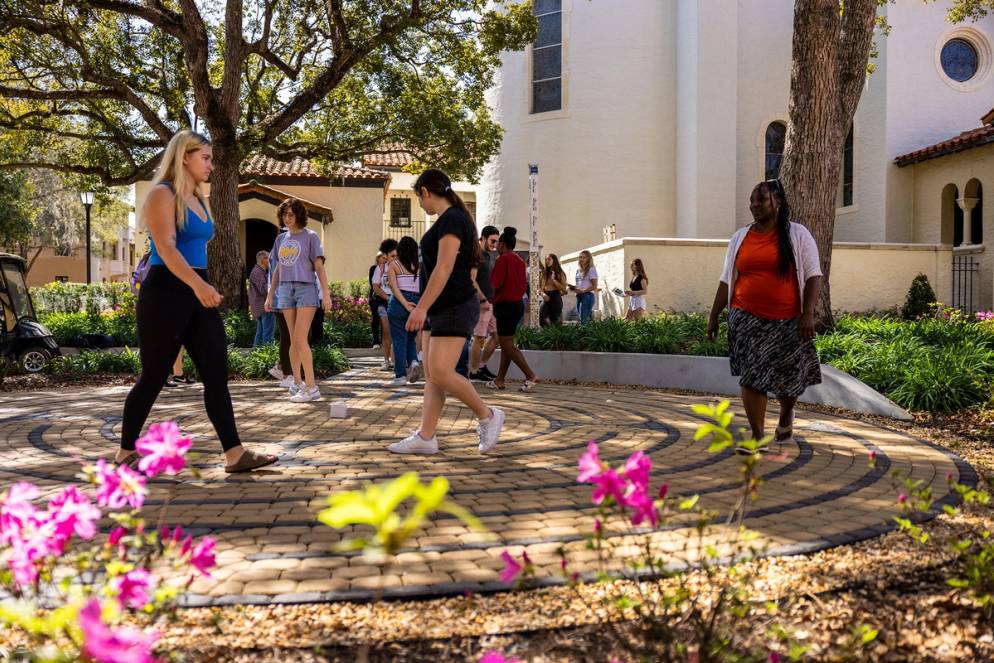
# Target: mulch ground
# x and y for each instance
(890, 583)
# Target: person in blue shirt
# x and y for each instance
(177, 305)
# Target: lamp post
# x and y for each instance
(87, 199)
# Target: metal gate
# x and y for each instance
(966, 268)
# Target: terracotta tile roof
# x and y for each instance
(968, 139)
(389, 155)
(259, 165)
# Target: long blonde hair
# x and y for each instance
(590, 262)
(172, 170)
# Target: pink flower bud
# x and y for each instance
(665, 488)
(873, 455)
(902, 499)
(598, 527)
(774, 657)
(949, 477)
(115, 536)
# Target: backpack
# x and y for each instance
(141, 271)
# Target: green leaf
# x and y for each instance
(689, 503)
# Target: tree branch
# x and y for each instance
(858, 21)
(57, 95)
(103, 172)
(154, 12)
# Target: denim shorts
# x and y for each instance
(459, 320)
(296, 294)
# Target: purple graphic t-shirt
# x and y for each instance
(295, 254)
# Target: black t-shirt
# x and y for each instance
(459, 287)
(483, 273)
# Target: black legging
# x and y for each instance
(169, 316)
(551, 312)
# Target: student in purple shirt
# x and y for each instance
(299, 257)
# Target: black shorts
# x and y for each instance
(456, 321)
(508, 316)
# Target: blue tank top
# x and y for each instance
(191, 241)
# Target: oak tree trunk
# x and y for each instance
(831, 50)
(224, 258)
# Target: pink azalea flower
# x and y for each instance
(132, 588)
(774, 657)
(497, 657)
(511, 568)
(16, 511)
(71, 512)
(637, 469)
(106, 645)
(24, 560)
(120, 485)
(590, 464)
(663, 490)
(902, 499)
(609, 484)
(163, 450)
(202, 558)
(642, 506)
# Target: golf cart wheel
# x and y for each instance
(33, 360)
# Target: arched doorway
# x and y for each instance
(973, 195)
(259, 236)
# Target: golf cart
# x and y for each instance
(22, 338)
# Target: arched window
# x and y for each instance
(848, 172)
(973, 192)
(776, 137)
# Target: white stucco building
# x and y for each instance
(659, 116)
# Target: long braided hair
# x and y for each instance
(785, 262)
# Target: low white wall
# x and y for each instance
(683, 273)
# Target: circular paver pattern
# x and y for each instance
(818, 492)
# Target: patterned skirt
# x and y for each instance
(770, 356)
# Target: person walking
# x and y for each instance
(300, 257)
(381, 289)
(451, 309)
(510, 281)
(405, 290)
(177, 304)
(484, 340)
(636, 291)
(770, 282)
(586, 286)
(375, 302)
(265, 321)
(552, 283)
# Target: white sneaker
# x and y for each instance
(396, 382)
(376, 346)
(386, 366)
(286, 382)
(277, 373)
(294, 388)
(489, 429)
(414, 372)
(415, 444)
(306, 395)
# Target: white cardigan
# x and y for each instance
(805, 258)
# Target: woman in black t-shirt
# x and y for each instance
(449, 305)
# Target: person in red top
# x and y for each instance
(510, 283)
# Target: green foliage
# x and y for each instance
(375, 506)
(239, 328)
(356, 288)
(59, 297)
(90, 362)
(347, 334)
(920, 298)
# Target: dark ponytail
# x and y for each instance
(784, 248)
(439, 184)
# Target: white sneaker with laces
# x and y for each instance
(294, 388)
(396, 382)
(376, 346)
(489, 429)
(415, 444)
(287, 382)
(305, 395)
(414, 372)
(386, 366)
(277, 373)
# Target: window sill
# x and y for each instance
(842, 211)
(548, 115)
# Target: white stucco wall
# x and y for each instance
(607, 157)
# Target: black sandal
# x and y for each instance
(250, 460)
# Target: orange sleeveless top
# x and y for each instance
(758, 288)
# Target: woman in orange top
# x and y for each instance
(770, 282)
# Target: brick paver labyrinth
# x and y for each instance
(817, 492)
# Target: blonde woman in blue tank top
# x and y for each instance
(177, 305)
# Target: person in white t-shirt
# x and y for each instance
(586, 286)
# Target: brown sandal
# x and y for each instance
(131, 460)
(250, 460)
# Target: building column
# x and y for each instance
(967, 205)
